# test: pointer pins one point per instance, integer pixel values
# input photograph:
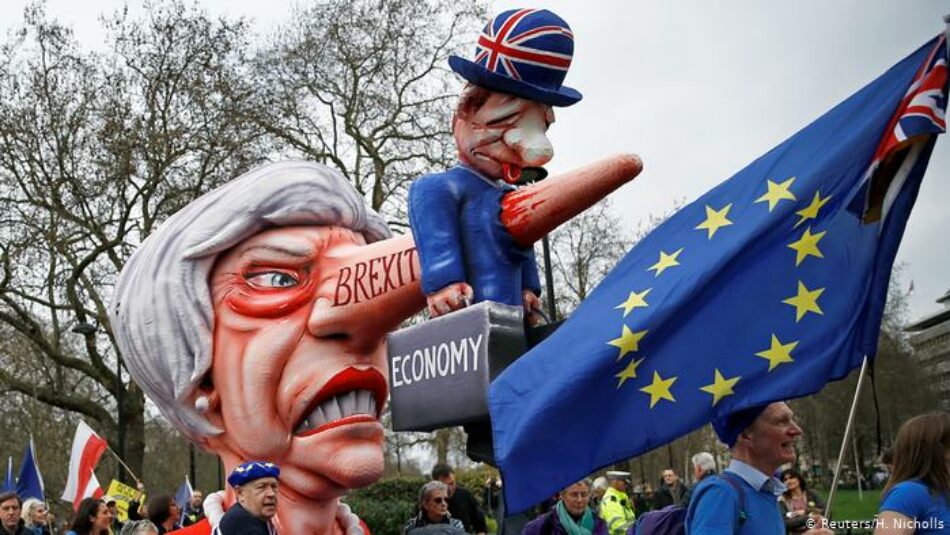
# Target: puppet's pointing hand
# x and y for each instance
(532, 308)
(449, 299)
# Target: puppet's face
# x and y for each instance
(294, 389)
(505, 135)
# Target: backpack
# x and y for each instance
(671, 520)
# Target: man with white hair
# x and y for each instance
(597, 491)
(255, 483)
(226, 319)
(703, 465)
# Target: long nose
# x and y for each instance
(371, 289)
(530, 213)
(530, 141)
(368, 292)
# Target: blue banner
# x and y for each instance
(30, 482)
(765, 288)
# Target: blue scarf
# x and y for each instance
(584, 527)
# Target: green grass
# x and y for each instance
(847, 506)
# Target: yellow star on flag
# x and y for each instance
(720, 387)
(635, 300)
(778, 353)
(805, 301)
(628, 341)
(811, 211)
(666, 261)
(659, 389)
(715, 219)
(777, 192)
(630, 372)
(807, 245)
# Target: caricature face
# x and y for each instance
(294, 389)
(505, 135)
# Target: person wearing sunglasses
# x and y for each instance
(434, 511)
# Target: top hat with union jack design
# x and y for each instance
(524, 52)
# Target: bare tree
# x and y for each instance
(362, 85)
(95, 151)
(586, 248)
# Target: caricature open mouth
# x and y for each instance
(511, 172)
(351, 396)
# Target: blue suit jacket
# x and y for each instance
(455, 222)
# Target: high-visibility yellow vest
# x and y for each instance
(617, 511)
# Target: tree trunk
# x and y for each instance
(441, 442)
(133, 419)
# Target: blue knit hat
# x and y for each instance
(730, 426)
(252, 470)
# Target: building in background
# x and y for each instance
(930, 338)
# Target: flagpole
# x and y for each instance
(847, 435)
(117, 458)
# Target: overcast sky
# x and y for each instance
(698, 89)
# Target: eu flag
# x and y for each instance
(763, 289)
(30, 482)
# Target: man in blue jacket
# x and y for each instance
(500, 128)
(760, 439)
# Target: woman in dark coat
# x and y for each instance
(570, 515)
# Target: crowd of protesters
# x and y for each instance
(752, 495)
(98, 516)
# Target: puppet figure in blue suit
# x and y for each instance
(500, 128)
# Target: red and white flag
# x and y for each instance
(81, 482)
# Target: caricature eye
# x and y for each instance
(272, 279)
(504, 121)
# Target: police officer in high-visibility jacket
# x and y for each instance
(615, 507)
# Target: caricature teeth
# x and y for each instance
(338, 407)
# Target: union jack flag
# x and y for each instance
(923, 108)
(512, 41)
(921, 111)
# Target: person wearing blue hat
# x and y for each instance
(744, 498)
(500, 125)
(255, 486)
